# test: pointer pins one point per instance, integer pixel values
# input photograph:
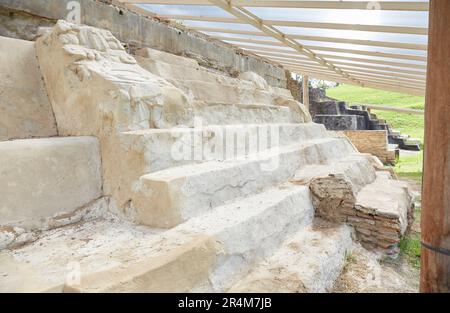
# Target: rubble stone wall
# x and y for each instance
(294, 87)
(373, 142)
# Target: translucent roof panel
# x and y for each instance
(367, 17)
(385, 40)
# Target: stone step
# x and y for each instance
(309, 261)
(356, 168)
(46, 182)
(381, 220)
(223, 93)
(174, 67)
(163, 148)
(25, 110)
(223, 99)
(172, 196)
(181, 72)
(206, 253)
(209, 86)
(229, 114)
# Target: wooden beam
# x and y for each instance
(305, 87)
(348, 66)
(435, 221)
(289, 53)
(393, 81)
(366, 80)
(409, 91)
(357, 27)
(329, 49)
(391, 77)
(362, 75)
(373, 43)
(388, 72)
(336, 26)
(341, 5)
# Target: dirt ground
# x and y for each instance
(367, 272)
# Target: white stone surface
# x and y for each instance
(164, 148)
(40, 178)
(25, 110)
(257, 81)
(203, 84)
(96, 87)
(224, 93)
(179, 71)
(171, 196)
(166, 58)
(308, 261)
(354, 168)
(203, 254)
(228, 114)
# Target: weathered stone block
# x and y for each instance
(340, 122)
(25, 110)
(41, 178)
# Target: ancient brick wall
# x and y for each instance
(374, 142)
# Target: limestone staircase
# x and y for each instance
(211, 181)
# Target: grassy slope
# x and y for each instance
(413, 125)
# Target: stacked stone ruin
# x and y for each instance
(113, 177)
(337, 115)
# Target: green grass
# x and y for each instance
(410, 248)
(410, 167)
(411, 125)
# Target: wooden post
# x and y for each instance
(435, 269)
(306, 91)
